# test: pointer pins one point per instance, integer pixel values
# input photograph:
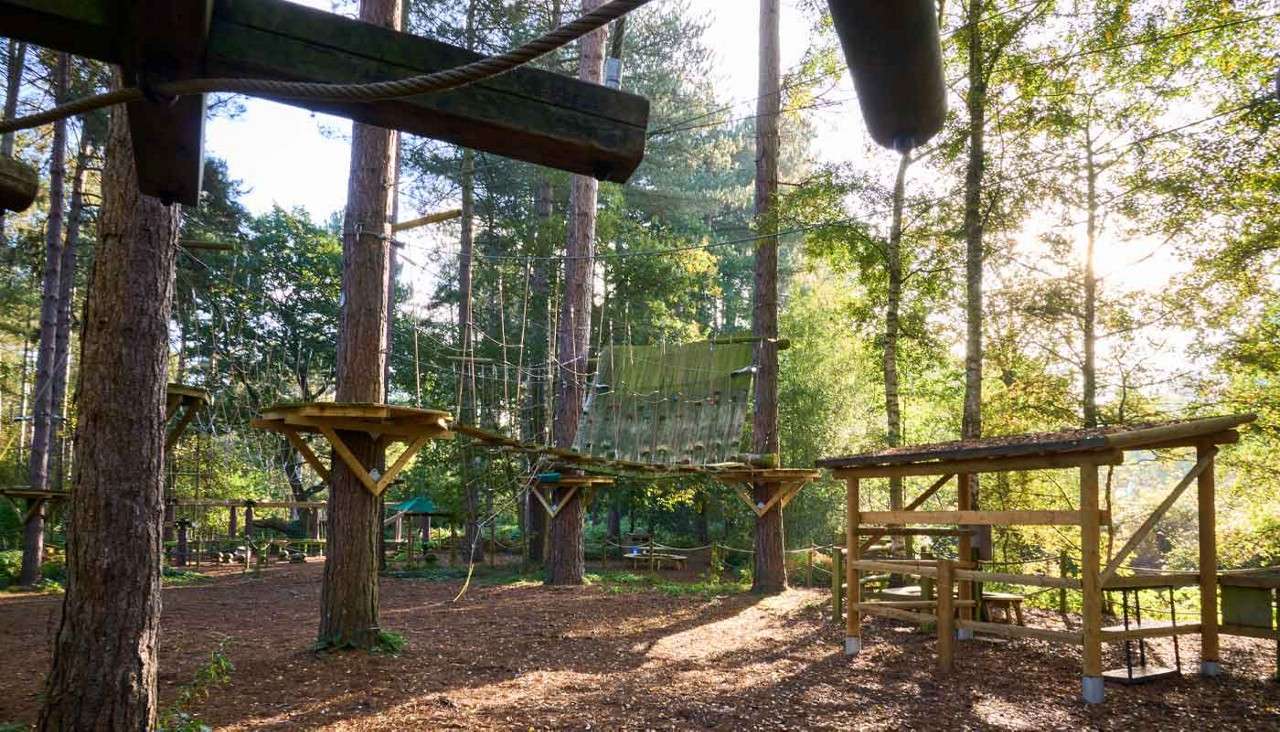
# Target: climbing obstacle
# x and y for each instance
(1081, 450)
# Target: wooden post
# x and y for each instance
(183, 548)
(853, 620)
(248, 520)
(946, 615)
(1209, 665)
(231, 521)
(964, 502)
(652, 559)
(837, 583)
(453, 543)
(1090, 536)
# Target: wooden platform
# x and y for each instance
(186, 400)
(382, 422)
(784, 484)
(543, 489)
(32, 494)
(1141, 674)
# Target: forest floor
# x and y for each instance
(621, 654)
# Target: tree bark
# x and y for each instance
(104, 656)
(1089, 368)
(893, 305)
(42, 424)
(17, 53)
(66, 300)
(770, 570)
(540, 286)
(349, 594)
(565, 562)
(976, 104)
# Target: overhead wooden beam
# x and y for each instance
(164, 40)
(434, 218)
(985, 465)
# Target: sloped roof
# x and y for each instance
(418, 506)
(1144, 436)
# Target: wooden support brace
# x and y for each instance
(350, 460)
(553, 509)
(915, 503)
(1206, 459)
(180, 426)
(413, 449)
(304, 449)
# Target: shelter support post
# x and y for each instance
(964, 549)
(946, 616)
(853, 618)
(1091, 586)
(1209, 665)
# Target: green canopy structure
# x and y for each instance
(418, 506)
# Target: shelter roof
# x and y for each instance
(418, 506)
(1111, 438)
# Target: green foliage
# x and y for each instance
(622, 583)
(213, 673)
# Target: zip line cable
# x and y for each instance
(444, 80)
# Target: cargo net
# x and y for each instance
(668, 405)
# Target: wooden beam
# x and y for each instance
(985, 465)
(915, 503)
(876, 608)
(946, 616)
(982, 518)
(1033, 580)
(1140, 439)
(349, 459)
(434, 218)
(872, 565)
(1150, 523)
(852, 518)
(1144, 581)
(1208, 534)
(180, 426)
(1020, 631)
(413, 449)
(1091, 587)
(1115, 633)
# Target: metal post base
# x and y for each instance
(1092, 690)
(1210, 668)
(964, 634)
(852, 646)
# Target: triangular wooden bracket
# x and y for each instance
(304, 449)
(782, 495)
(553, 509)
(374, 486)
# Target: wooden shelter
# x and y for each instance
(1082, 450)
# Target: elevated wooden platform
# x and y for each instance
(412, 426)
(783, 484)
(183, 402)
(545, 485)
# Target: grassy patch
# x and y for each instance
(623, 582)
(172, 577)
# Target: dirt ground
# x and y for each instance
(522, 656)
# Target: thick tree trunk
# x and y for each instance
(770, 569)
(565, 563)
(17, 56)
(349, 594)
(104, 657)
(893, 305)
(50, 307)
(540, 286)
(976, 103)
(66, 299)
(466, 346)
(1089, 368)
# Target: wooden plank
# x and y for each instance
(413, 449)
(527, 114)
(164, 40)
(350, 460)
(1139, 581)
(1113, 633)
(1270, 580)
(872, 565)
(429, 219)
(1248, 632)
(1034, 580)
(1150, 523)
(984, 465)
(80, 27)
(982, 518)
(915, 503)
(1023, 631)
(305, 451)
(875, 608)
(852, 518)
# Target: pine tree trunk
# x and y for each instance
(16, 51)
(50, 307)
(349, 594)
(770, 570)
(540, 294)
(66, 299)
(466, 346)
(1089, 368)
(104, 657)
(892, 400)
(565, 563)
(976, 103)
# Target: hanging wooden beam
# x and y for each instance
(435, 218)
(982, 518)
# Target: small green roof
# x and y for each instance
(419, 505)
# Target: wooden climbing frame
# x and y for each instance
(184, 403)
(544, 490)
(385, 423)
(783, 483)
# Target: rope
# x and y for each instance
(454, 78)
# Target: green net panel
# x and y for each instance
(668, 405)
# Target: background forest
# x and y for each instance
(1121, 219)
